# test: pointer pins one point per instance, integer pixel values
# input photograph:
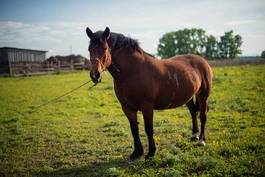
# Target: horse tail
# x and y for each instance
(197, 105)
(206, 85)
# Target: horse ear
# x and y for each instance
(89, 33)
(106, 33)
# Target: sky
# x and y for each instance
(58, 26)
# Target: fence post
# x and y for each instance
(10, 68)
(72, 65)
(58, 66)
(29, 69)
(52, 67)
(48, 68)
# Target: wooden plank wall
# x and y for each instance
(15, 55)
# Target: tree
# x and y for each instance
(166, 47)
(263, 54)
(211, 47)
(195, 41)
(190, 41)
(235, 49)
(187, 41)
(229, 45)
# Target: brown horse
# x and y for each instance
(144, 83)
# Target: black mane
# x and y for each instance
(118, 41)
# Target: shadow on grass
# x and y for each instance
(109, 168)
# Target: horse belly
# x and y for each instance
(176, 92)
(172, 102)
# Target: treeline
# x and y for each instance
(196, 41)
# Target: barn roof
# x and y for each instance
(23, 49)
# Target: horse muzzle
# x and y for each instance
(96, 77)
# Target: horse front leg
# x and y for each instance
(147, 111)
(138, 148)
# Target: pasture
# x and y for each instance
(87, 134)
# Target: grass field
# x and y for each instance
(86, 133)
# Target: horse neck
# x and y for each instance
(123, 62)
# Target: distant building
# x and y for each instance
(67, 59)
(10, 55)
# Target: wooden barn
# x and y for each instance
(14, 60)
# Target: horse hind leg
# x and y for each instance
(203, 106)
(194, 108)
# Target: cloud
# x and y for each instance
(240, 22)
(61, 25)
(147, 23)
(56, 38)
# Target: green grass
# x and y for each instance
(87, 134)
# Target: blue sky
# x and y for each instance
(56, 25)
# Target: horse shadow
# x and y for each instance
(108, 168)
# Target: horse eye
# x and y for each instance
(91, 48)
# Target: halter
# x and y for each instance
(103, 65)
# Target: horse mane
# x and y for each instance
(149, 54)
(119, 41)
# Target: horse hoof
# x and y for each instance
(131, 159)
(194, 137)
(201, 143)
(149, 156)
(134, 156)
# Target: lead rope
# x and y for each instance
(54, 99)
(65, 94)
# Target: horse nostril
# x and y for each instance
(95, 77)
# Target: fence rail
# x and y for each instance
(27, 69)
(229, 62)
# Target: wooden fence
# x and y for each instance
(27, 69)
(235, 62)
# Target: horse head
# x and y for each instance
(99, 50)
